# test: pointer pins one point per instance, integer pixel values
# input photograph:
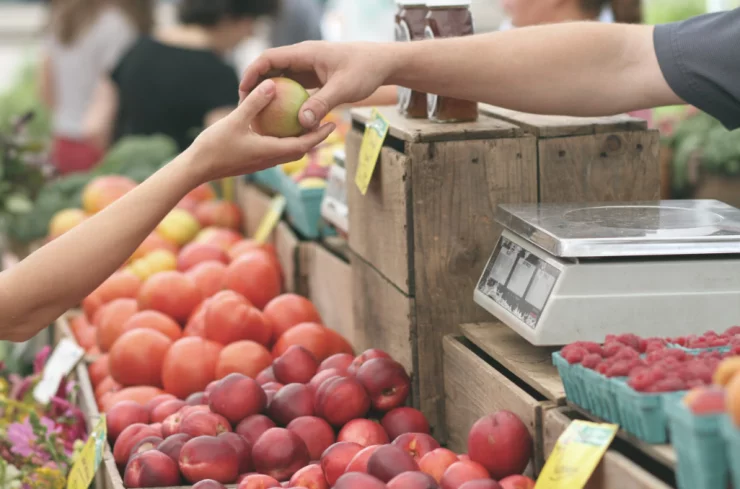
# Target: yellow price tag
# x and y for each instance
(376, 130)
(88, 460)
(575, 456)
(270, 219)
(228, 187)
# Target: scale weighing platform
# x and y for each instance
(567, 272)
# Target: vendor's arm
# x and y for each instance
(582, 69)
(58, 276)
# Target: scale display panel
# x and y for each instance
(518, 281)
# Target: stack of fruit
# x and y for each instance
(336, 423)
(629, 379)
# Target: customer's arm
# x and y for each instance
(58, 276)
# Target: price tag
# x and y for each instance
(61, 362)
(376, 130)
(575, 456)
(270, 219)
(88, 460)
(334, 206)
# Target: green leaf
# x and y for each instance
(18, 204)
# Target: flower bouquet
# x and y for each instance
(38, 443)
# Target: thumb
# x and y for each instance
(256, 100)
(321, 103)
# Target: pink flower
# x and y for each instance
(41, 357)
(21, 438)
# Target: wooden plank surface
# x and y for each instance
(286, 246)
(550, 126)
(600, 168)
(532, 364)
(379, 219)
(383, 316)
(615, 470)
(456, 187)
(330, 289)
(473, 389)
(422, 130)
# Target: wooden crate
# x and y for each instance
(328, 276)
(616, 471)
(474, 388)
(425, 228)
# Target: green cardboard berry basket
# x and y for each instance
(731, 435)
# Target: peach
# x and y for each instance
(120, 285)
(705, 400)
(204, 424)
(195, 253)
(165, 409)
(253, 427)
(364, 432)
(482, 484)
(357, 480)
(209, 457)
(110, 319)
(137, 356)
(102, 191)
(152, 243)
(459, 473)
(123, 414)
(202, 193)
(156, 401)
(413, 480)
(65, 220)
(388, 461)
(128, 438)
(280, 117)
(242, 448)
(363, 357)
(156, 321)
(404, 420)
(265, 376)
(726, 370)
(436, 462)
(221, 237)
(341, 399)
(258, 481)
(208, 277)
(190, 365)
(172, 293)
(230, 317)
(514, 482)
(244, 357)
(208, 484)
(501, 443)
(279, 453)
(255, 276)
(359, 461)
(386, 381)
(151, 469)
(309, 477)
(732, 401)
(320, 377)
(236, 397)
(144, 445)
(288, 310)
(416, 444)
(172, 445)
(463, 457)
(316, 433)
(335, 459)
(339, 361)
(295, 365)
(219, 213)
(291, 402)
(197, 399)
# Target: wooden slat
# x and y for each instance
(551, 126)
(330, 289)
(474, 389)
(615, 470)
(456, 187)
(383, 316)
(530, 363)
(286, 246)
(378, 219)
(422, 130)
(600, 168)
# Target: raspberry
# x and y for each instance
(602, 368)
(626, 354)
(631, 340)
(718, 342)
(573, 354)
(669, 384)
(733, 331)
(611, 349)
(699, 343)
(620, 368)
(642, 380)
(681, 341)
(591, 360)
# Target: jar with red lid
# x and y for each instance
(449, 18)
(410, 25)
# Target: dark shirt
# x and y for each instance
(298, 21)
(169, 90)
(700, 60)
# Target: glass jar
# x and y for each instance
(410, 26)
(449, 18)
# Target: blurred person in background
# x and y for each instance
(86, 39)
(298, 21)
(177, 81)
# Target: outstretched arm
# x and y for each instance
(58, 276)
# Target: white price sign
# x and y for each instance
(61, 362)
(334, 206)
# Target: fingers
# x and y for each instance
(256, 100)
(289, 149)
(322, 102)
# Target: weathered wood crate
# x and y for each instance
(423, 232)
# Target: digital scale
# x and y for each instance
(334, 205)
(563, 273)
